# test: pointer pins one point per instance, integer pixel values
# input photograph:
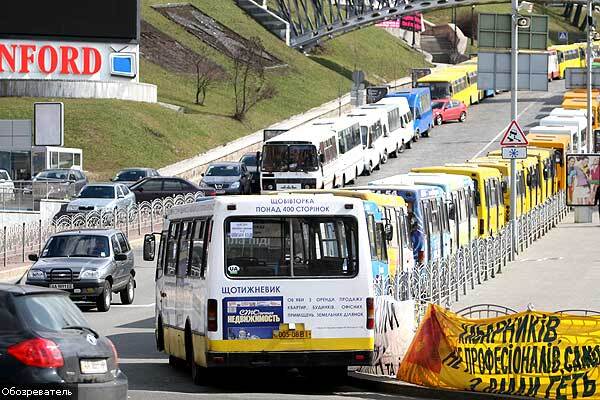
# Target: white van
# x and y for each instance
(374, 144)
(580, 123)
(399, 128)
(277, 280)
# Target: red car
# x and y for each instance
(448, 110)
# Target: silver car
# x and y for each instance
(102, 197)
(90, 264)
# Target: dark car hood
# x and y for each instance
(73, 263)
(220, 179)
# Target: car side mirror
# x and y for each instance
(120, 257)
(33, 257)
(149, 247)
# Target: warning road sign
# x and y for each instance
(514, 136)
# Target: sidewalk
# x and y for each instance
(560, 271)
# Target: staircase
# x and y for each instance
(439, 47)
(269, 20)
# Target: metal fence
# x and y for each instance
(17, 241)
(444, 281)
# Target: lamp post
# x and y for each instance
(472, 23)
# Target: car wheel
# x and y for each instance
(438, 120)
(463, 116)
(128, 294)
(105, 298)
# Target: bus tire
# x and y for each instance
(394, 154)
(407, 145)
(385, 157)
(160, 335)
(343, 180)
(176, 363)
(369, 169)
(195, 369)
(378, 166)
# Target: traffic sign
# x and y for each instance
(514, 152)
(563, 37)
(514, 136)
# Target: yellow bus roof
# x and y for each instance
(564, 47)
(446, 75)
(554, 141)
(462, 169)
(379, 199)
(576, 103)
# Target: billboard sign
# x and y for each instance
(376, 93)
(413, 23)
(494, 31)
(49, 124)
(494, 71)
(576, 78)
(583, 179)
(58, 60)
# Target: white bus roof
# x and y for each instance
(269, 205)
(367, 116)
(429, 179)
(566, 112)
(395, 100)
(305, 133)
(337, 124)
(578, 122)
(554, 130)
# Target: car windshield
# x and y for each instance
(4, 175)
(250, 161)
(130, 175)
(436, 105)
(223, 170)
(62, 175)
(76, 246)
(48, 312)
(97, 192)
(296, 157)
(439, 90)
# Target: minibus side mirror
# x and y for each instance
(149, 247)
(389, 232)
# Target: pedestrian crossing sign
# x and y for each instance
(514, 136)
(563, 37)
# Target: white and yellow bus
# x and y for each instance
(280, 280)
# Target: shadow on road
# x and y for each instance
(147, 323)
(136, 345)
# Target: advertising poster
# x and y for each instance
(531, 353)
(251, 317)
(583, 179)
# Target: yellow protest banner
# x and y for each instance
(532, 353)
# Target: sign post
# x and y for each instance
(514, 54)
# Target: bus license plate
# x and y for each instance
(291, 335)
(61, 285)
(288, 186)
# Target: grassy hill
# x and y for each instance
(115, 134)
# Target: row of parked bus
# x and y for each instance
(286, 279)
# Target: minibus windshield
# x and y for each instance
(297, 247)
(284, 158)
(439, 90)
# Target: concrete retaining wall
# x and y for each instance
(48, 209)
(192, 168)
(78, 89)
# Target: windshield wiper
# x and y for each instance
(82, 328)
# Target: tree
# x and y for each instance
(206, 75)
(250, 85)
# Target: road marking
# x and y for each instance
(134, 305)
(502, 131)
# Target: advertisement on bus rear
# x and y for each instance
(583, 179)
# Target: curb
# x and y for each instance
(11, 275)
(393, 386)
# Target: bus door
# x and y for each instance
(405, 244)
(392, 239)
(169, 291)
(444, 226)
(500, 210)
(378, 251)
(183, 253)
(455, 213)
(488, 207)
(428, 230)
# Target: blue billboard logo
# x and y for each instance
(123, 64)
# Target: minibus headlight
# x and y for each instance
(307, 186)
(270, 187)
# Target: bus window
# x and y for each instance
(198, 251)
(171, 255)
(372, 236)
(77, 160)
(185, 231)
(159, 262)
(381, 243)
(261, 247)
